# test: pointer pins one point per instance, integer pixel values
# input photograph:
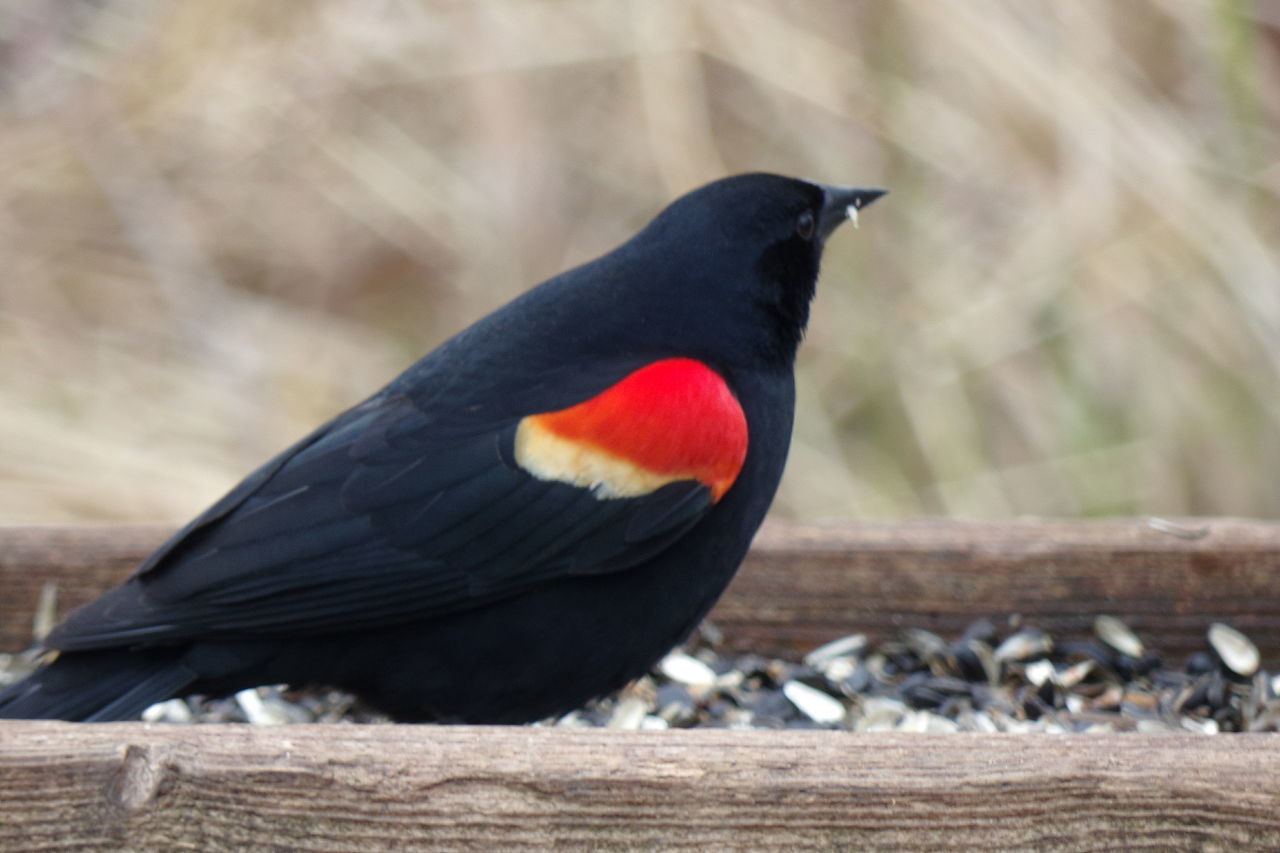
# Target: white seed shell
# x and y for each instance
(1117, 635)
(1024, 645)
(1074, 674)
(654, 724)
(687, 670)
(1236, 650)
(46, 611)
(169, 711)
(813, 703)
(629, 713)
(843, 647)
(258, 712)
(1040, 671)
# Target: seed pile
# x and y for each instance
(1019, 679)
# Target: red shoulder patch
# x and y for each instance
(674, 419)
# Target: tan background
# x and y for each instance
(221, 222)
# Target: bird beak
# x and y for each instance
(841, 203)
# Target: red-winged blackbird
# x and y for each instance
(527, 518)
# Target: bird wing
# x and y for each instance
(393, 512)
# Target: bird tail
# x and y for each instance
(97, 686)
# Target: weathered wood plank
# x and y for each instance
(358, 788)
(82, 561)
(803, 585)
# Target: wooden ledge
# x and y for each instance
(356, 788)
(804, 585)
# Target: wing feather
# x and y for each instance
(387, 514)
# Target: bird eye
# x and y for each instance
(805, 225)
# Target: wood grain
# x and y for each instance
(364, 788)
(81, 561)
(803, 585)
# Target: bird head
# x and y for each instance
(743, 254)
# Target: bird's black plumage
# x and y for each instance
(404, 551)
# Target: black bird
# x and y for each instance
(527, 518)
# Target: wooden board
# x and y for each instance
(1168, 580)
(366, 788)
(803, 585)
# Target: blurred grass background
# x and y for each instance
(221, 222)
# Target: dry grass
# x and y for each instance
(221, 222)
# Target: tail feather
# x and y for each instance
(98, 686)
